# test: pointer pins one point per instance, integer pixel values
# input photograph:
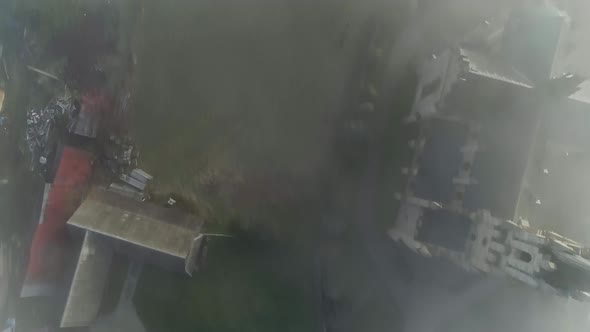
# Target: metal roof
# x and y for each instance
(143, 224)
(89, 282)
(483, 65)
(583, 93)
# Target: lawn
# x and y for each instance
(243, 287)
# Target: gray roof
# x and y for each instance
(484, 65)
(143, 224)
(487, 66)
(89, 282)
(583, 94)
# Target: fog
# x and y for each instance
(294, 57)
(243, 97)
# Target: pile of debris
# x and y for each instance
(120, 154)
(132, 185)
(86, 121)
(43, 126)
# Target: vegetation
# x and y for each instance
(17, 196)
(240, 121)
(51, 18)
(243, 141)
(244, 286)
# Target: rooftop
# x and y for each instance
(143, 224)
(487, 66)
(89, 281)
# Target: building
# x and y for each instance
(144, 232)
(487, 115)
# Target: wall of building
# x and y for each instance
(437, 76)
(149, 256)
(575, 50)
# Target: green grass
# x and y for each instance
(243, 287)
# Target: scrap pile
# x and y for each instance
(43, 125)
(120, 158)
(120, 154)
(132, 185)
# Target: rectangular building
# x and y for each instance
(142, 231)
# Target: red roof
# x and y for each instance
(66, 193)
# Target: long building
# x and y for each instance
(111, 223)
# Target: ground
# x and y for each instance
(237, 116)
(242, 99)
